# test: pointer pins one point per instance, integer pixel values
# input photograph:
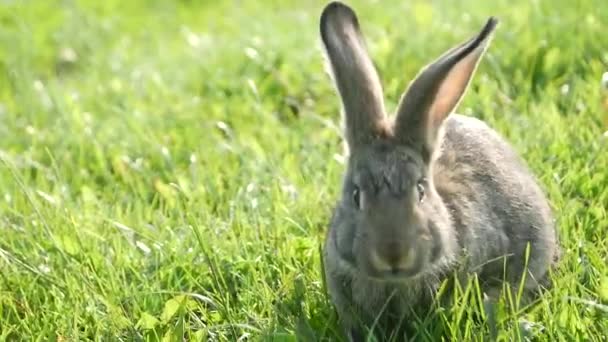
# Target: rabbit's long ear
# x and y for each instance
(353, 71)
(437, 90)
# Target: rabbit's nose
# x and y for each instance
(393, 257)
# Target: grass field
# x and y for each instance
(167, 168)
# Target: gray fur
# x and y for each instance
(427, 195)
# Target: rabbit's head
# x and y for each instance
(391, 223)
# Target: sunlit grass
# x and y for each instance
(168, 168)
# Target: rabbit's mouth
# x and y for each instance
(397, 275)
(393, 275)
(372, 266)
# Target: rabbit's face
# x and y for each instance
(396, 215)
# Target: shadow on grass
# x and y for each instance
(303, 318)
(466, 315)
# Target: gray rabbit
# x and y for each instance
(427, 193)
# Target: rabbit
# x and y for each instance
(426, 192)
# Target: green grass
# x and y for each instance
(168, 168)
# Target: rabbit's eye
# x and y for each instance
(420, 187)
(357, 197)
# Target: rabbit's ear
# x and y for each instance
(354, 74)
(437, 90)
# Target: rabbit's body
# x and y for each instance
(496, 205)
(495, 209)
(427, 194)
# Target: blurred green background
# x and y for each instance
(168, 168)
